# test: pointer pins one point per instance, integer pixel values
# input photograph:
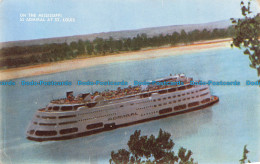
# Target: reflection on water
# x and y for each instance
(215, 135)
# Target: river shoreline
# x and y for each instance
(67, 65)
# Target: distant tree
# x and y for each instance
(73, 45)
(175, 38)
(151, 150)
(244, 158)
(184, 37)
(89, 47)
(247, 32)
(98, 45)
(81, 47)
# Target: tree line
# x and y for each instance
(36, 54)
(157, 150)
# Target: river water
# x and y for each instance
(216, 134)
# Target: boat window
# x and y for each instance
(162, 91)
(172, 90)
(69, 130)
(68, 116)
(47, 124)
(93, 126)
(45, 133)
(48, 117)
(66, 108)
(145, 95)
(189, 86)
(193, 104)
(180, 107)
(167, 110)
(203, 89)
(205, 100)
(181, 88)
(204, 94)
(56, 108)
(50, 108)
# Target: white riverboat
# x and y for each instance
(88, 113)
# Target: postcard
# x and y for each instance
(133, 81)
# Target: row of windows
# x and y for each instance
(175, 89)
(64, 108)
(145, 107)
(54, 124)
(166, 110)
(193, 104)
(47, 124)
(91, 118)
(149, 113)
(69, 130)
(204, 94)
(180, 107)
(122, 116)
(96, 125)
(45, 133)
(65, 131)
(97, 111)
(169, 97)
(53, 132)
(203, 89)
(143, 102)
(172, 102)
(205, 100)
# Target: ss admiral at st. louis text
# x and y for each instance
(91, 113)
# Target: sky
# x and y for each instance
(94, 16)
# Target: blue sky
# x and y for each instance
(94, 16)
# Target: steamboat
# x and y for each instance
(86, 114)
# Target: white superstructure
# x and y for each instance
(91, 113)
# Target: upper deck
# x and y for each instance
(153, 86)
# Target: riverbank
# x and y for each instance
(73, 64)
